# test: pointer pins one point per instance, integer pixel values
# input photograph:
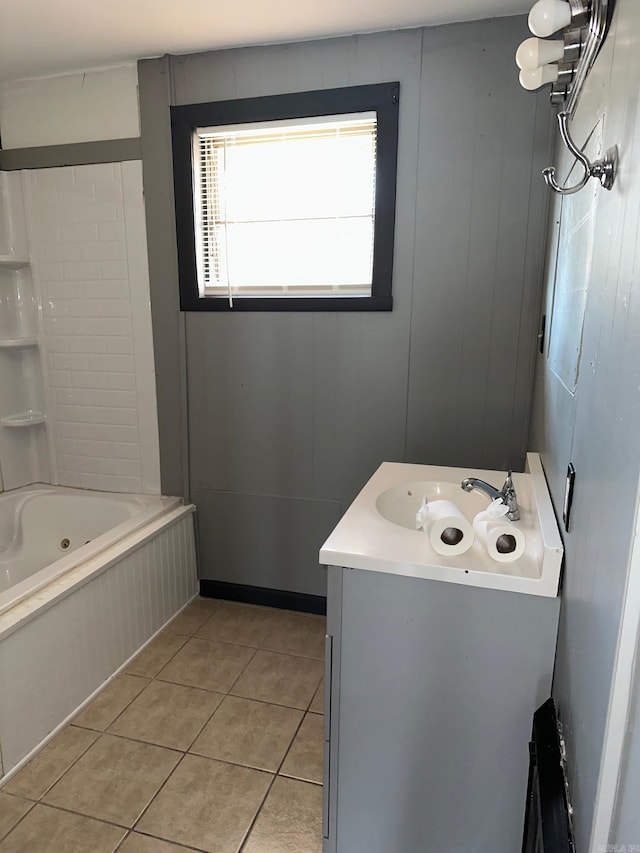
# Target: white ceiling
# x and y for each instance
(40, 37)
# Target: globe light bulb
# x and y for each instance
(532, 79)
(548, 16)
(535, 52)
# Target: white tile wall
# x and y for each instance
(89, 259)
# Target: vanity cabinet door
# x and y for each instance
(433, 686)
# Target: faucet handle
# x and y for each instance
(509, 498)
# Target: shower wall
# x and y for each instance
(71, 141)
(90, 260)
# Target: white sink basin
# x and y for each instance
(399, 504)
(378, 531)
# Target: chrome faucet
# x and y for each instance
(507, 494)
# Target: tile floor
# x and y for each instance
(211, 741)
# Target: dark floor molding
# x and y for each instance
(266, 597)
(73, 154)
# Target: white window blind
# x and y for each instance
(286, 208)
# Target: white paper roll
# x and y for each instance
(445, 515)
(488, 530)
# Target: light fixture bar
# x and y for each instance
(582, 24)
(596, 32)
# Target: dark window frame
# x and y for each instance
(383, 98)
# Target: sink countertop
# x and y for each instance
(364, 539)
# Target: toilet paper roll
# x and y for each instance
(441, 516)
(488, 530)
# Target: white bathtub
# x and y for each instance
(86, 580)
(45, 531)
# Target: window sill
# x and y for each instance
(287, 303)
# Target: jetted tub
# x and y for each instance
(45, 531)
(86, 580)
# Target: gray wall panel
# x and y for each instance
(470, 350)
(597, 427)
(154, 82)
(254, 431)
(308, 405)
(263, 540)
(303, 405)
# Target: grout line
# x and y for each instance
(156, 838)
(211, 716)
(241, 673)
(28, 811)
(66, 810)
(128, 671)
(162, 745)
(64, 772)
(297, 778)
(155, 796)
(276, 775)
(182, 753)
(189, 636)
(249, 830)
(187, 751)
(118, 715)
(289, 654)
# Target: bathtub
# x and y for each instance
(86, 580)
(46, 531)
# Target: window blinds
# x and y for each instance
(286, 208)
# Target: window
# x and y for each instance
(287, 202)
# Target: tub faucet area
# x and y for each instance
(507, 494)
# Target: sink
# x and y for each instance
(399, 504)
(378, 531)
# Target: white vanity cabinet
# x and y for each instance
(434, 667)
(430, 690)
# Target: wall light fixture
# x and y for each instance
(565, 62)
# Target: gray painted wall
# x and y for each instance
(289, 414)
(594, 241)
(627, 826)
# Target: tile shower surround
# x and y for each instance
(211, 740)
(89, 258)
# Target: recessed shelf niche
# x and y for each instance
(24, 453)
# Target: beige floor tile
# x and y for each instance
(114, 780)
(112, 701)
(12, 809)
(240, 623)
(280, 679)
(290, 820)
(137, 843)
(158, 653)
(297, 634)
(191, 618)
(207, 804)
(167, 714)
(205, 601)
(304, 759)
(246, 732)
(317, 703)
(207, 664)
(50, 763)
(47, 830)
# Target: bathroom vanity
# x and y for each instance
(434, 667)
